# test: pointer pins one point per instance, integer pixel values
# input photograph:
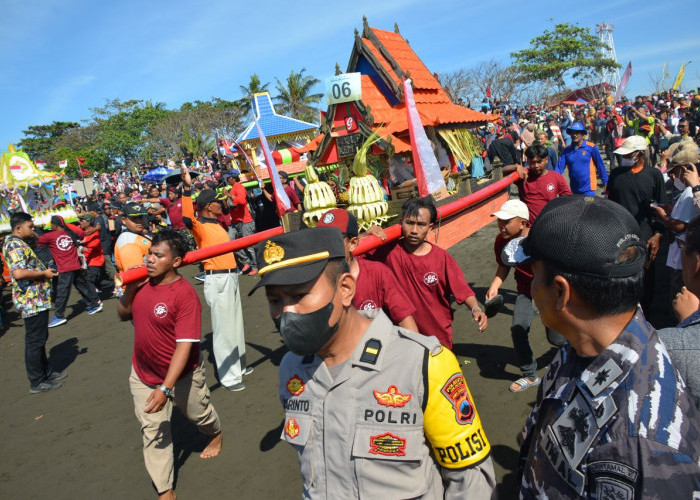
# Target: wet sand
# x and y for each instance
(83, 440)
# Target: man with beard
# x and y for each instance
(166, 366)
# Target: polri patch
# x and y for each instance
(292, 428)
(392, 397)
(295, 385)
(371, 351)
(387, 444)
(455, 390)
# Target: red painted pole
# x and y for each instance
(139, 273)
(371, 242)
(366, 244)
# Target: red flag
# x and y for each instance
(282, 200)
(81, 161)
(488, 91)
(84, 171)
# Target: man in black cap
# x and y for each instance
(221, 289)
(133, 242)
(368, 406)
(612, 417)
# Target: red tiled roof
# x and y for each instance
(407, 60)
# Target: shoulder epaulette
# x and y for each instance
(430, 343)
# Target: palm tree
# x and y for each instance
(295, 99)
(248, 92)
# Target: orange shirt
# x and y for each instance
(207, 232)
(130, 249)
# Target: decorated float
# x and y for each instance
(391, 132)
(23, 186)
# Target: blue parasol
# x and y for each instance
(157, 174)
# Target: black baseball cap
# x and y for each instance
(205, 197)
(297, 257)
(581, 235)
(342, 219)
(133, 210)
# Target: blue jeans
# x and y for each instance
(523, 313)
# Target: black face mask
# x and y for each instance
(305, 334)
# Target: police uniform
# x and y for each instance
(394, 420)
(621, 426)
(397, 421)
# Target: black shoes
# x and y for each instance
(45, 386)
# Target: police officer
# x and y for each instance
(583, 160)
(371, 409)
(613, 418)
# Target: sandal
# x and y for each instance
(492, 306)
(524, 383)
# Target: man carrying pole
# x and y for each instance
(220, 286)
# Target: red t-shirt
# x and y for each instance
(429, 281)
(174, 212)
(293, 198)
(523, 273)
(377, 288)
(62, 249)
(164, 315)
(92, 250)
(536, 192)
(240, 212)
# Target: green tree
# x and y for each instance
(295, 98)
(40, 141)
(123, 128)
(254, 87)
(567, 50)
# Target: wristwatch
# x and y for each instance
(168, 392)
(696, 189)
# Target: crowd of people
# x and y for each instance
(616, 414)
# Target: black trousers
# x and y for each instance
(36, 333)
(63, 286)
(96, 276)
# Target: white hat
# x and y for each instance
(513, 208)
(632, 144)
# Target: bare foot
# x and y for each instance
(213, 447)
(168, 495)
(685, 304)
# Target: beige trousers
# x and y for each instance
(191, 395)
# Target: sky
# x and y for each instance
(59, 59)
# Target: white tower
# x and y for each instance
(605, 34)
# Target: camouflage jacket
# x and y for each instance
(620, 425)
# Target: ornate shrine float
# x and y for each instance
(389, 117)
(31, 190)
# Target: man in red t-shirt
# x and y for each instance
(375, 285)
(242, 223)
(62, 241)
(537, 186)
(94, 257)
(166, 366)
(513, 223)
(428, 274)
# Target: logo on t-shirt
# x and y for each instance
(550, 187)
(64, 243)
(430, 279)
(367, 305)
(160, 310)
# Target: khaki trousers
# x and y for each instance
(191, 395)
